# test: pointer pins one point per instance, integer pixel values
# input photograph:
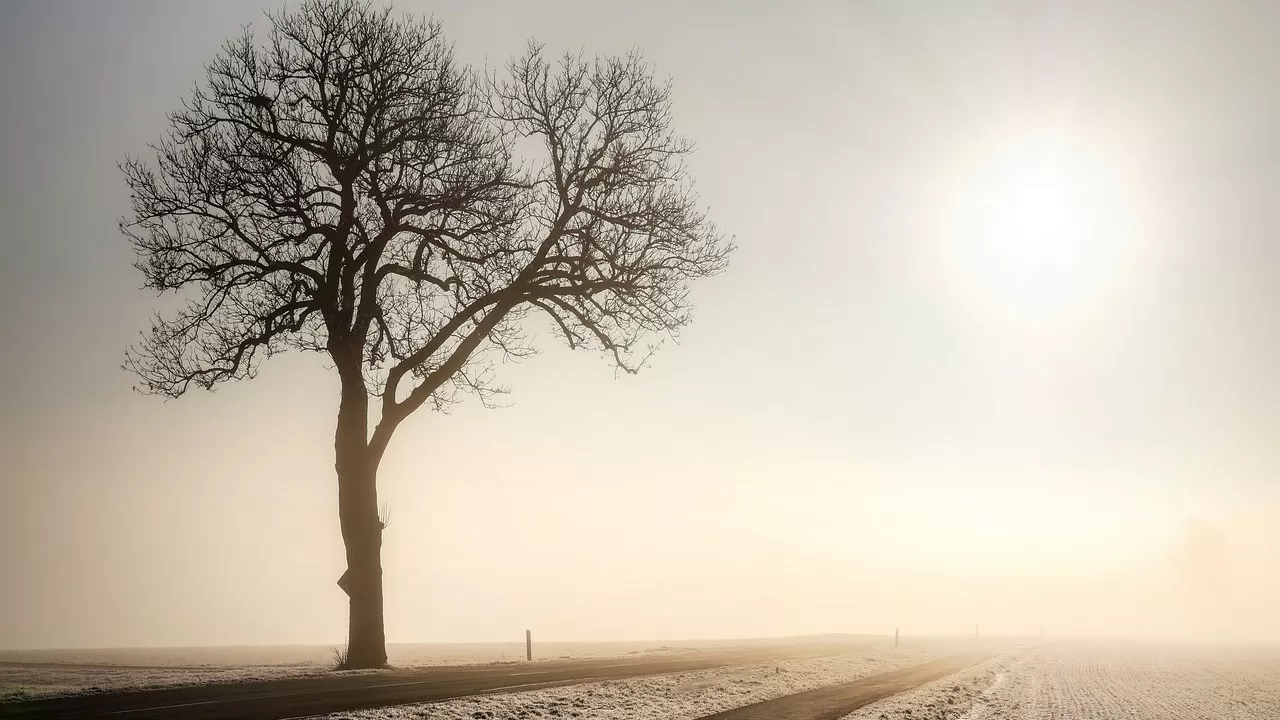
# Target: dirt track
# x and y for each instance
(836, 701)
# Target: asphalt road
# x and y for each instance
(836, 701)
(273, 700)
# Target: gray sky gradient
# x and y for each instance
(862, 429)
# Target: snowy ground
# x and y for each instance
(40, 673)
(398, 654)
(675, 696)
(19, 682)
(1059, 681)
(1099, 682)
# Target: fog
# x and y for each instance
(886, 414)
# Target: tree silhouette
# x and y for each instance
(345, 187)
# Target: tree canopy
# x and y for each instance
(347, 187)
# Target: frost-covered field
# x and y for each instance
(674, 696)
(398, 654)
(19, 682)
(40, 673)
(1099, 682)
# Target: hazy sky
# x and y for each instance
(904, 404)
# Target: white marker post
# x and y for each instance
(528, 645)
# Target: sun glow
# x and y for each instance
(1039, 222)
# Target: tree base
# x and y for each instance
(343, 659)
(363, 666)
(345, 662)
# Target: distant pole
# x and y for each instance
(528, 645)
(895, 638)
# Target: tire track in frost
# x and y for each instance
(982, 705)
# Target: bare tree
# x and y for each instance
(344, 187)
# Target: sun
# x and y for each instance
(1038, 222)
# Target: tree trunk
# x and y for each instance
(361, 530)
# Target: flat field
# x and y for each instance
(1023, 680)
(687, 695)
(40, 673)
(1096, 681)
(27, 674)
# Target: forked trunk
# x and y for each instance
(361, 533)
